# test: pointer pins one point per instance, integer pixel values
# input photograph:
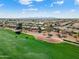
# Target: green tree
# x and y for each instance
(18, 28)
(39, 29)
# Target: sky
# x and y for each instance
(39, 8)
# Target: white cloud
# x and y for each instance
(27, 2)
(72, 10)
(51, 5)
(38, 0)
(1, 5)
(33, 9)
(27, 11)
(72, 13)
(30, 5)
(77, 2)
(57, 12)
(59, 2)
(35, 13)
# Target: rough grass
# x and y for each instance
(26, 47)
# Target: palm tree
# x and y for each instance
(39, 29)
(49, 28)
(18, 28)
(78, 34)
(77, 37)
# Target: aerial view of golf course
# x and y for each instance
(27, 47)
(39, 29)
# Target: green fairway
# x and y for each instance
(26, 47)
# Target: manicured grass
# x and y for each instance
(26, 47)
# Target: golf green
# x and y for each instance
(27, 47)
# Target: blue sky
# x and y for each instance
(39, 8)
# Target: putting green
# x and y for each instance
(26, 47)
